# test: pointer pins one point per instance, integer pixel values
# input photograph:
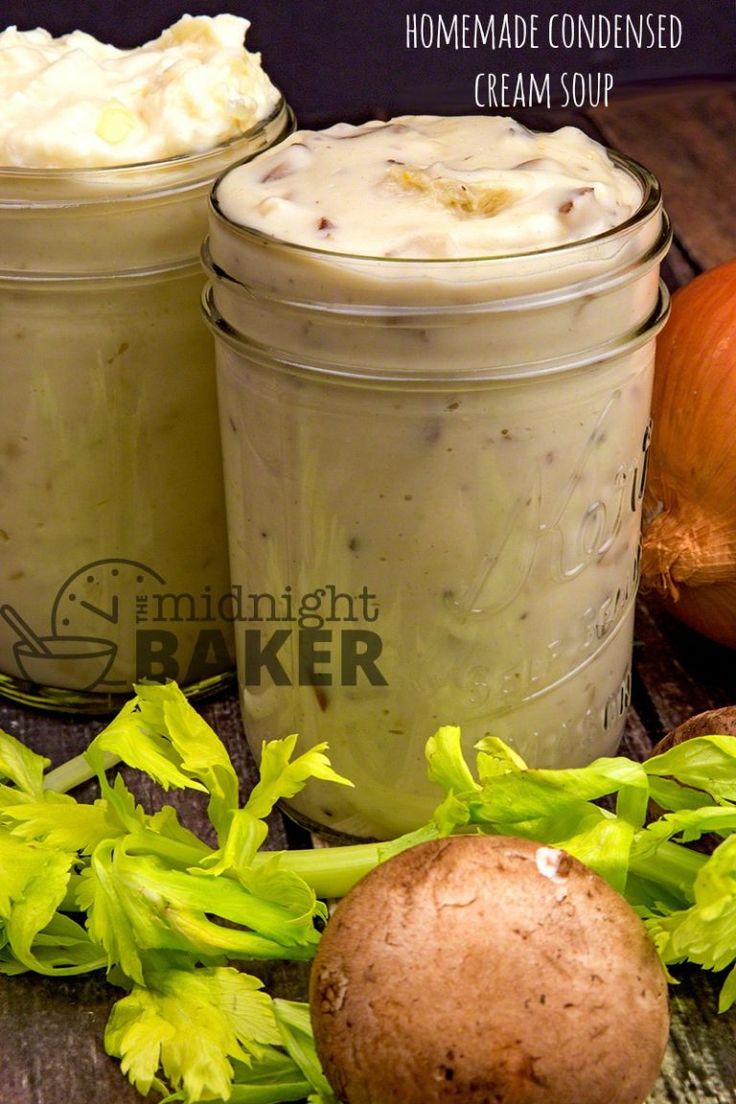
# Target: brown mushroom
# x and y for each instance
(487, 970)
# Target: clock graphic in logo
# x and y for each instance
(99, 602)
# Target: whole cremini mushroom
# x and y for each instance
(487, 970)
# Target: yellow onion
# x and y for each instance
(689, 544)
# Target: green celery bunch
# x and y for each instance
(686, 899)
(108, 885)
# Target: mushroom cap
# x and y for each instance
(489, 970)
(714, 722)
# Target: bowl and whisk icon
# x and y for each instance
(75, 662)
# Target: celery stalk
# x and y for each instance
(74, 772)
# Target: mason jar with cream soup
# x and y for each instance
(435, 343)
(112, 520)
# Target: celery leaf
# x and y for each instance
(144, 746)
(190, 1025)
(446, 763)
(282, 777)
(706, 763)
(295, 1025)
(21, 766)
(62, 823)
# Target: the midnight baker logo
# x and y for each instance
(114, 621)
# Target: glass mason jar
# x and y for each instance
(112, 519)
(434, 473)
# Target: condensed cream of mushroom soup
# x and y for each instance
(435, 345)
(112, 516)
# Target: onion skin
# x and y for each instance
(689, 542)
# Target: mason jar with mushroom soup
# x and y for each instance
(113, 547)
(435, 346)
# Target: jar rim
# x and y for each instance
(183, 160)
(637, 336)
(651, 200)
(616, 276)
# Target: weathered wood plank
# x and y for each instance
(681, 672)
(637, 741)
(686, 137)
(678, 269)
(700, 1064)
(51, 1043)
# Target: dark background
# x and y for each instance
(348, 60)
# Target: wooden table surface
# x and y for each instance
(51, 1030)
